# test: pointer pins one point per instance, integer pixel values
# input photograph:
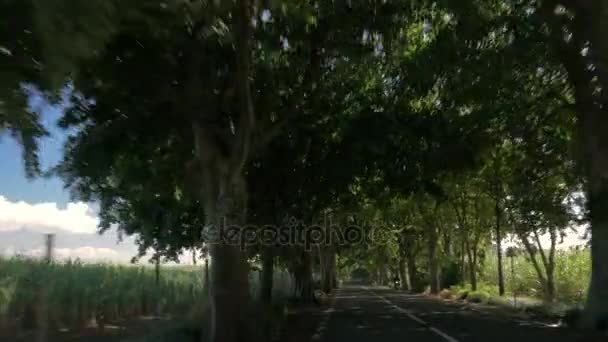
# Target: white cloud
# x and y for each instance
(23, 224)
(76, 217)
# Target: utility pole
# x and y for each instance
(49, 241)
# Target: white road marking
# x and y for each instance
(414, 318)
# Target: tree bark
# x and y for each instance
(383, 275)
(501, 278)
(224, 194)
(206, 280)
(472, 267)
(539, 271)
(229, 271)
(327, 257)
(589, 25)
(157, 270)
(432, 237)
(405, 281)
(267, 275)
(331, 272)
(447, 243)
(462, 261)
(411, 270)
(433, 262)
(594, 124)
(549, 264)
(305, 279)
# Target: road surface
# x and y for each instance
(362, 314)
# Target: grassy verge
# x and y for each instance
(530, 306)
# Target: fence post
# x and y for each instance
(49, 240)
(43, 309)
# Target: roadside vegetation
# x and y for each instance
(524, 290)
(76, 296)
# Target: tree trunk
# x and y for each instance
(549, 264)
(589, 25)
(157, 270)
(550, 287)
(463, 254)
(305, 279)
(433, 262)
(472, 268)
(594, 125)
(501, 278)
(382, 274)
(230, 294)
(532, 254)
(327, 258)
(475, 262)
(229, 283)
(332, 272)
(447, 243)
(596, 307)
(267, 275)
(206, 280)
(411, 271)
(405, 281)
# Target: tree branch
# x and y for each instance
(246, 124)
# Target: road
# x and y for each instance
(362, 314)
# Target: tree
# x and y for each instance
(20, 57)
(493, 174)
(471, 207)
(216, 170)
(584, 21)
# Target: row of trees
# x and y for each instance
(440, 239)
(451, 121)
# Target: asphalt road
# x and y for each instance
(367, 314)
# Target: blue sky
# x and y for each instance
(30, 208)
(13, 183)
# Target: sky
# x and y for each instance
(31, 208)
(13, 183)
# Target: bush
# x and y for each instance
(572, 273)
(450, 273)
(478, 297)
(459, 292)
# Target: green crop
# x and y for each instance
(76, 293)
